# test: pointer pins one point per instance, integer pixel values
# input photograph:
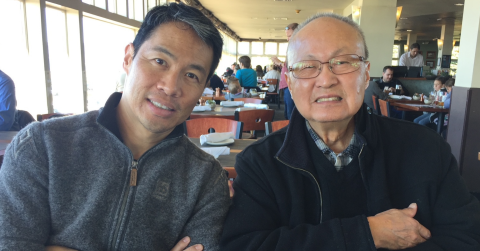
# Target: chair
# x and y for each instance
(275, 126)
(196, 127)
(375, 104)
(384, 107)
(275, 95)
(254, 120)
(41, 117)
(249, 100)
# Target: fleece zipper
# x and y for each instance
(318, 185)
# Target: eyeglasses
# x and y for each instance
(338, 65)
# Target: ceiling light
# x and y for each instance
(255, 18)
(403, 18)
(439, 19)
(409, 30)
(459, 4)
(280, 18)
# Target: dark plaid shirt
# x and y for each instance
(338, 160)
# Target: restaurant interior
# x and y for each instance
(65, 57)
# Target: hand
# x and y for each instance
(58, 248)
(392, 90)
(276, 61)
(397, 229)
(230, 187)
(183, 243)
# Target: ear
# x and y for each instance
(289, 80)
(367, 74)
(128, 58)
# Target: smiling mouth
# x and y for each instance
(159, 105)
(328, 99)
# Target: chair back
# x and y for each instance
(273, 81)
(375, 104)
(249, 100)
(254, 119)
(195, 127)
(384, 107)
(41, 117)
(275, 126)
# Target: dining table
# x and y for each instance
(222, 97)
(228, 161)
(425, 108)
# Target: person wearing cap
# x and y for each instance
(412, 57)
(287, 97)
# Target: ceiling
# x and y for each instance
(254, 19)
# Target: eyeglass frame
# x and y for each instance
(361, 58)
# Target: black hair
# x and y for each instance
(388, 67)
(415, 45)
(441, 79)
(179, 12)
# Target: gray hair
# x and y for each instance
(337, 17)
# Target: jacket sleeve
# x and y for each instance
(7, 104)
(456, 213)
(24, 207)
(376, 90)
(255, 222)
(206, 224)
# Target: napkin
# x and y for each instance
(256, 106)
(202, 108)
(208, 91)
(231, 103)
(215, 137)
(216, 151)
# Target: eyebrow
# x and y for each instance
(193, 66)
(334, 54)
(161, 49)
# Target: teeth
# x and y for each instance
(160, 106)
(328, 99)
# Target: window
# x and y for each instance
(260, 60)
(122, 7)
(395, 62)
(270, 48)
(112, 6)
(88, 1)
(244, 48)
(282, 50)
(138, 10)
(104, 46)
(100, 3)
(395, 54)
(257, 48)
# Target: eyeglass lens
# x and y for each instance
(342, 64)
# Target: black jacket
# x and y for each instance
(278, 202)
(393, 83)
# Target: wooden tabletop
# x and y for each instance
(228, 161)
(404, 101)
(420, 107)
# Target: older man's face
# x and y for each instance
(328, 97)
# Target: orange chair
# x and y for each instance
(249, 100)
(254, 120)
(375, 104)
(275, 126)
(384, 107)
(275, 95)
(41, 117)
(196, 127)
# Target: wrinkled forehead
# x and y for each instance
(322, 39)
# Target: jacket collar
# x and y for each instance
(107, 117)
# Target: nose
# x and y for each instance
(170, 83)
(326, 78)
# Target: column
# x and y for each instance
(411, 39)
(445, 44)
(377, 20)
(463, 130)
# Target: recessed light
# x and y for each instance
(280, 18)
(403, 18)
(254, 17)
(409, 30)
(439, 19)
(459, 4)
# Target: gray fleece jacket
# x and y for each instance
(66, 182)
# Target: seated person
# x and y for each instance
(412, 57)
(338, 177)
(259, 71)
(215, 82)
(8, 102)
(228, 73)
(124, 177)
(388, 80)
(373, 89)
(234, 88)
(448, 86)
(273, 73)
(428, 117)
(246, 75)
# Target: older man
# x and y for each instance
(124, 177)
(340, 178)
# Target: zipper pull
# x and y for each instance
(133, 174)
